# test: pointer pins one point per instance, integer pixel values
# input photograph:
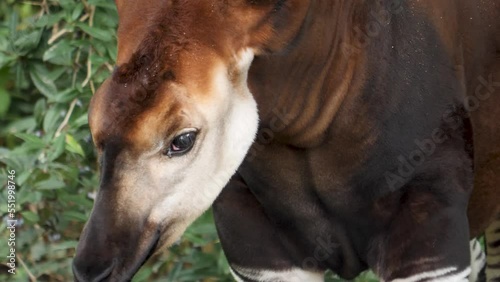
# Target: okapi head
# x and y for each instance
(174, 121)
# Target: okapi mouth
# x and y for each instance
(114, 271)
(151, 251)
(105, 276)
(127, 276)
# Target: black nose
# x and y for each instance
(85, 270)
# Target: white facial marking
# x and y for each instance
(290, 275)
(191, 183)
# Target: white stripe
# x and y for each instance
(290, 275)
(461, 276)
(235, 276)
(476, 264)
(441, 275)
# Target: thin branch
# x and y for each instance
(109, 66)
(92, 13)
(66, 118)
(85, 4)
(31, 276)
(84, 17)
(89, 68)
(45, 6)
(92, 87)
(58, 34)
(73, 79)
(76, 67)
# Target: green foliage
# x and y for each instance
(53, 56)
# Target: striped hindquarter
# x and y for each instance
(474, 272)
(455, 274)
(492, 237)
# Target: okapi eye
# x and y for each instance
(181, 144)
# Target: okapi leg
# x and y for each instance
(478, 261)
(492, 237)
(428, 240)
(251, 243)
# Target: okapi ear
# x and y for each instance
(277, 22)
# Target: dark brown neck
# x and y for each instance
(312, 79)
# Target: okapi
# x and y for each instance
(328, 134)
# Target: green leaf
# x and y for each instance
(64, 96)
(56, 73)
(112, 52)
(21, 179)
(6, 59)
(143, 275)
(50, 184)
(50, 122)
(26, 10)
(76, 199)
(77, 11)
(30, 139)
(71, 244)
(80, 121)
(95, 32)
(57, 148)
(27, 42)
(42, 82)
(39, 109)
(30, 216)
(103, 4)
(28, 197)
(13, 23)
(59, 54)
(49, 20)
(24, 124)
(67, 4)
(4, 101)
(73, 146)
(75, 215)
(38, 250)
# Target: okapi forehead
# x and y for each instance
(157, 56)
(139, 84)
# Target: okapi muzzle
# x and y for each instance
(111, 247)
(118, 238)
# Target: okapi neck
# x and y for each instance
(313, 77)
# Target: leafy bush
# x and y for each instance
(53, 56)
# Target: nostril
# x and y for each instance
(89, 274)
